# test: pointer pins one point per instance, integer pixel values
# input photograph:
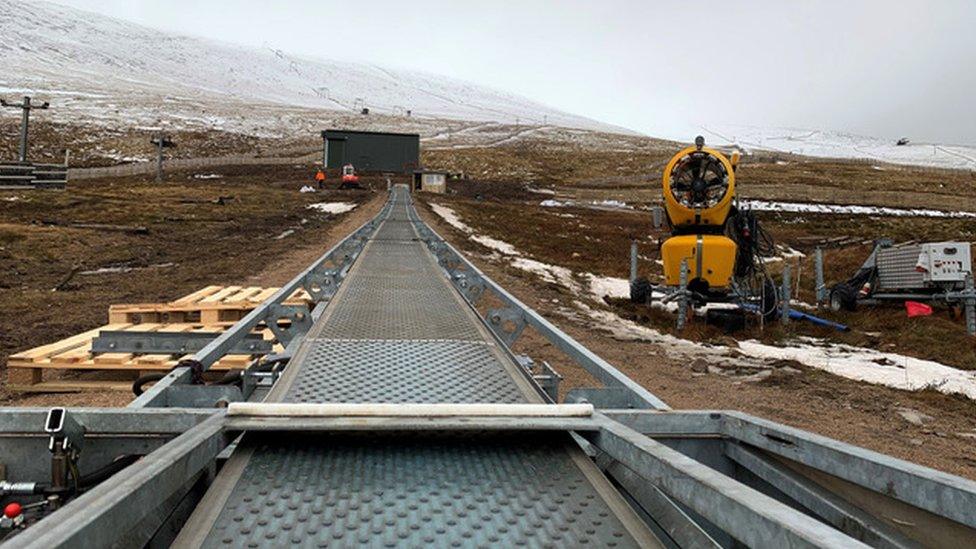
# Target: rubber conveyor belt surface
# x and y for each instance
(398, 332)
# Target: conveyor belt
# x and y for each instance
(397, 331)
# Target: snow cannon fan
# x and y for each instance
(699, 188)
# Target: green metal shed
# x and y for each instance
(371, 151)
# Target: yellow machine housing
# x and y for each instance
(682, 215)
(699, 187)
(709, 257)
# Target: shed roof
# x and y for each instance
(327, 133)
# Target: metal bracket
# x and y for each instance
(298, 315)
(969, 304)
(543, 374)
(202, 396)
(472, 287)
(172, 343)
(507, 324)
(65, 433)
(605, 398)
(321, 284)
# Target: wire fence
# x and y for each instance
(144, 168)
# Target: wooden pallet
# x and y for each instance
(26, 369)
(211, 305)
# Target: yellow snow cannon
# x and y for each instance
(699, 188)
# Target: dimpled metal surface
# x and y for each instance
(395, 333)
(417, 491)
(402, 371)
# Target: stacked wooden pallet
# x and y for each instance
(211, 305)
(212, 309)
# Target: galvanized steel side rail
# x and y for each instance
(749, 441)
(745, 514)
(112, 511)
(472, 283)
(320, 280)
(940, 493)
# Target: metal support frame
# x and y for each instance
(969, 304)
(661, 510)
(933, 491)
(321, 284)
(172, 343)
(818, 264)
(831, 508)
(633, 261)
(784, 313)
(748, 516)
(455, 263)
(298, 319)
(507, 323)
(682, 295)
(347, 250)
(114, 509)
(686, 498)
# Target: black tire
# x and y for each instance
(640, 290)
(843, 297)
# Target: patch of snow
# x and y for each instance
(502, 247)
(451, 217)
(537, 190)
(307, 189)
(612, 204)
(207, 176)
(333, 207)
(550, 203)
(842, 209)
(889, 369)
(592, 204)
(600, 286)
(626, 330)
(550, 273)
(285, 234)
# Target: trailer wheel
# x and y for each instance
(843, 297)
(640, 290)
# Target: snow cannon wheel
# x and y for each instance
(640, 290)
(843, 297)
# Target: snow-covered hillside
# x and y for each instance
(842, 145)
(89, 63)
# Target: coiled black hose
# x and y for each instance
(138, 384)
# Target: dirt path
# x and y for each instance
(928, 428)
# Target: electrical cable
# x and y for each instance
(753, 245)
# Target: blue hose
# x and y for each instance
(797, 315)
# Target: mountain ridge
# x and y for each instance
(48, 45)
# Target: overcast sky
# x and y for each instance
(888, 68)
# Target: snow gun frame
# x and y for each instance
(716, 248)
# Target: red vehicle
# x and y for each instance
(349, 177)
